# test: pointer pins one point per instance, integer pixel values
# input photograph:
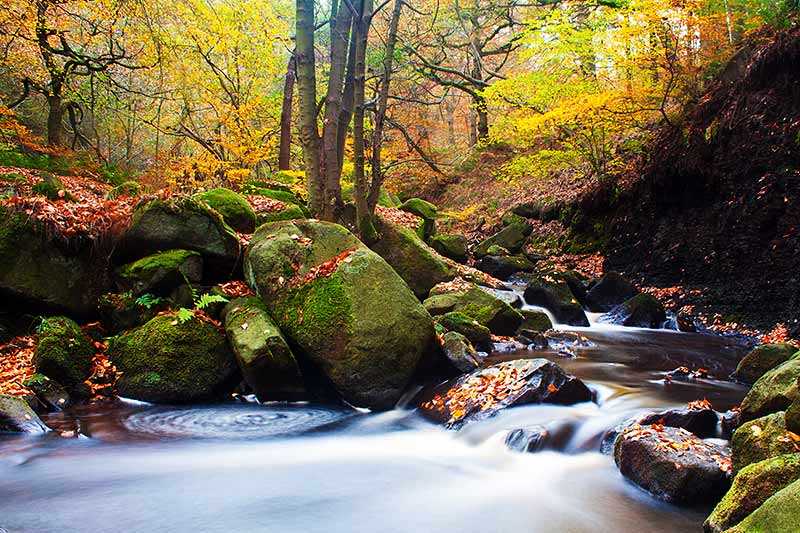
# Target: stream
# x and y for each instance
(306, 468)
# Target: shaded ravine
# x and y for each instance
(302, 468)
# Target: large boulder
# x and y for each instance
(556, 297)
(488, 390)
(777, 514)
(761, 360)
(168, 360)
(283, 212)
(673, 464)
(699, 420)
(64, 353)
(774, 391)
(477, 304)
(610, 291)
(504, 266)
(234, 208)
(511, 237)
(185, 224)
(161, 272)
(451, 246)
(342, 306)
(751, 488)
(16, 416)
(426, 211)
(49, 273)
(641, 311)
(761, 439)
(265, 358)
(416, 262)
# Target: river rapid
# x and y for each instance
(307, 468)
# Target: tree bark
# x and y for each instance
(55, 120)
(366, 228)
(285, 152)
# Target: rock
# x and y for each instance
(504, 266)
(761, 360)
(16, 416)
(48, 273)
(729, 421)
(288, 212)
(51, 395)
(185, 224)
(751, 488)
(558, 299)
(510, 297)
(512, 238)
(673, 464)
(234, 208)
(535, 321)
(486, 391)
(121, 311)
(265, 359)
(459, 352)
(426, 211)
(451, 246)
(761, 439)
(342, 306)
(64, 353)
(700, 421)
(416, 262)
(497, 250)
(161, 272)
(793, 417)
(487, 310)
(641, 311)
(777, 514)
(169, 361)
(476, 333)
(774, 391)
(530, 439)
(612, 290)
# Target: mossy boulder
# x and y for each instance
(793, 417)
(504, 266)
(284, 196)
(267, 363)
(778, 514)
(288, 212)
(761, 439)
(475, 303)
(450, 245)
(234, 208)
(475, 332)
(185, 224)
(122, 310)
(751, 488)
(535, 321)
(511, 237)
(49, 273)
(556, 296)
(64, 353)
(128, 188)
(16, 416)
(762, 359)
(460, 352)
(641, 311)
(422, 208)
(774, 391)
(161, 272)
(170, 361)
(416, 262)
(344, 308)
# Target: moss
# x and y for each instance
(480, 306)
(778, 513)
(51, 187)
(449, 245)
(535, 321)
(752, 487)
(286, 197)
(763, 359)
(64, 353)
(168, 260)
(234, 208)
(290, 212)
(476, 333)
(128, 188)
(423, 209)
(774, 391)
(512, 238)
(761, 439)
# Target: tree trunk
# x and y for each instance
(285, 152)
(482, 116)
(55, 120)
(366, 228)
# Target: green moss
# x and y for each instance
(64, 353)
(168, 260)
(16, 158)
(128, 188)
(763, 359)
(535, 321)
(421, 208)
(512, 238)
(777, 514)
(476, 333)
(234, 208)
(774, 391)
(449, 245)
(761, 439)
(281, 196)
(290, 212)
(480, 306)
(51, 187)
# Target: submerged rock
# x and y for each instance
(612, 290)
(774, 391)
(64, 353)
(342, 306)
(530, 439)
(761, 439)
(641, 311)
(16, 416)
(49, 393)
(673, 464)
(234, 208)
(475, 303)
(761, 360)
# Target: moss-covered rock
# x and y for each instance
(793, 417)
(288, 212)
(641, 311)
(169, 361)
(751, 488)
(778, 514)
(460, 352)
(285, 196)
(121, 311)
(496, 249)
(344, 308)
(182, 223)
(64, 353)
(426, 211)
(450, 245)
(774, 391)
(417, 263)
(489, 311)
(535, 321)
(476, 333)
(16, 416)
(511, 237)
(161, 272)
(504, 266)
(761, 439)
(49, 393)
(234, 208)
(267, 363)
(51, 187)
(128, 188)
(762, 359)
(49, 273)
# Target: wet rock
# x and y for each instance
(774, 391)
(558, 299)
(486, 391)
(673, 464)
(477, 304)
(761, 439)
(50, 394)
(729, 421)
(16, 416)
(451, 246)
(459, 351)
(497, 250)
(64, 354)
(612, 290)
(566, 342)
(473, 330)
(160, 273)
(777, 514)
(751, 488)
(504, 266)
(700, 421)
(234, 208)
(533, 340)
(265, 359)
(535, 321)
(641, 311)
(510, 297)
(530, 439)
(761, 360)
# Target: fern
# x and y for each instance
(207, 299)
(184, 315)
(148, 301)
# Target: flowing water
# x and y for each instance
(306, 468)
